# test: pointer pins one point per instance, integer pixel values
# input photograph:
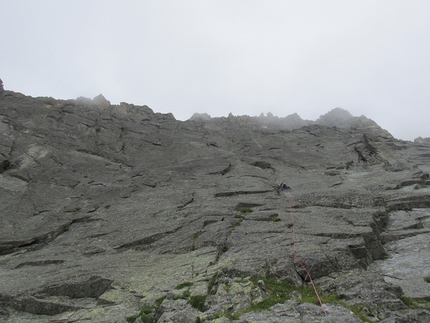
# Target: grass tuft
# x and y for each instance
(212, 282)
(244, 210)
(198, 302)
(184, 285)
(415, 304)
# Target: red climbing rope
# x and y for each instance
(298, 260)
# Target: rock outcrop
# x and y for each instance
(115, 213)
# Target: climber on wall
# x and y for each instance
(284, 186)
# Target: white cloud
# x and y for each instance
(244, 57)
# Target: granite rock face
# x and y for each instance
(114, 213)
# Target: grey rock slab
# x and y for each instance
(405, 220)
(177, 311)
(298, 313)
(415, 316)
(107, 208)
(408, 265)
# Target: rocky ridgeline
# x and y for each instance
(114, 213)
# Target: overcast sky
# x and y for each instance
(370, 57)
